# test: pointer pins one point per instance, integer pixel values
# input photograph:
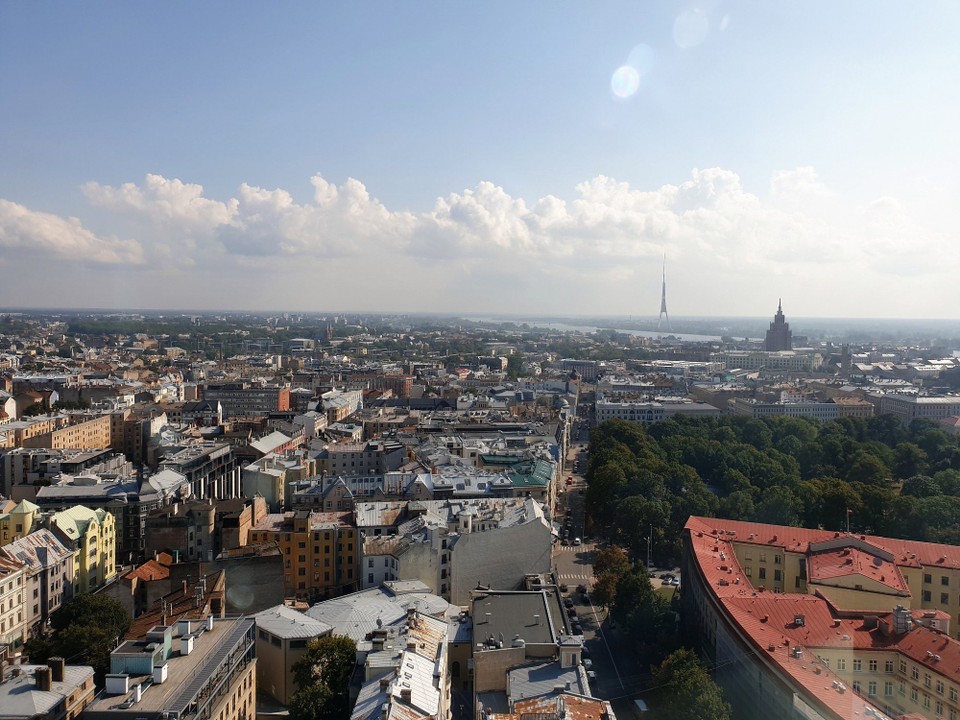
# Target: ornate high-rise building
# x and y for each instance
(779, 336)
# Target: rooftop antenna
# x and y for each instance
(663, 298)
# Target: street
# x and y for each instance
(618, 676)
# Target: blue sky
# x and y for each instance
(474, 156)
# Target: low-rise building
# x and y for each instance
(282, 637)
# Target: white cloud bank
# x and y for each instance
(42, 234)
(801, 237)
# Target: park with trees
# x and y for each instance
(643, 483)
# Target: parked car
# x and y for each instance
(581, 588)
(587, 663)
(576, 628)
(577, 541)
(568, 602)
(563, 587)
(572, 613)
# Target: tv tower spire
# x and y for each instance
(663, 298)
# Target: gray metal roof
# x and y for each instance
(284, 622)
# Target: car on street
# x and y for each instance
(568, 602)
(576, 628)
(581, 588)
(587, 663)
(563, 587)
(577, 541)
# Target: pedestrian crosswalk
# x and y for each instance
(576, 576)
(574, 548)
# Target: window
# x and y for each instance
(900, 687)
(776, 559)
(926, 679)
(945, 580)
(763, 557)
(914, 673)
(914, 695)
(748, 571)
(841, 663)
(940, 687)
(796, 581)
(777, 576)
(298, 643)
(953, 694)
(944, 598)
(926, 701)
(763, 573)
(747, 555)
(888, 689)
(926, 596)
(370, 563)
(939, 708)
(856, 686)
(857, 665)
(888, 666)
(872, 688)
(370, 578)
(873, 666)
(903, 667)
(927, 578)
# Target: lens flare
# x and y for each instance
(690, 28)
(625, 82)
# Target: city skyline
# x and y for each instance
(540, 159)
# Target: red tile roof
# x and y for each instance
(780, 625)
(823, 566)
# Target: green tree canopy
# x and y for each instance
(85, 631)
(686, 690)
(322, 677)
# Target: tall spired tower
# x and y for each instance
(663, 298)
(779, 336)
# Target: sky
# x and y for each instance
(502, 157)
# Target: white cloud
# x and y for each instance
(39, 233)
(165, 201)
(606, 238)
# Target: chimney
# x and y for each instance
(42, 675)
(56, 668)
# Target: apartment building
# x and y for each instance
(13, 577)
(48, 570)
(321, 551)
(204, 669)
(93, 536)
(55, 691)
(243, 399)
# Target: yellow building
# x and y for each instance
(814, 623)
(93, 534)
(18, 521)
(321, 552)
(12, 582)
